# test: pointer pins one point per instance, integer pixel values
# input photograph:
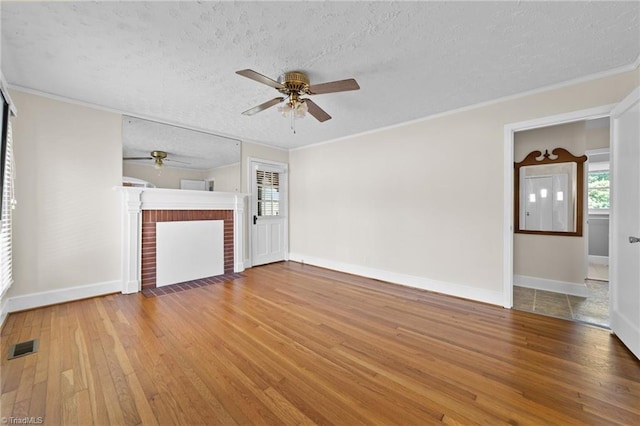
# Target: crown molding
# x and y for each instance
(609, 73)
(117, 111)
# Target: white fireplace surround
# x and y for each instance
(135, 200)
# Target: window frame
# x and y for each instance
(599, 167)
(271, 188)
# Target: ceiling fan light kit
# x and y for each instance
(158, 156)
(293, 85)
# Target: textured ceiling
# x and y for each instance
(176, 61)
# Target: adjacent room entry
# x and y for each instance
(269, 223)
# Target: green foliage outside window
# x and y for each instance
(598, 190)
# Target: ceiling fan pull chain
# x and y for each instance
(292, 113)
(293, 122)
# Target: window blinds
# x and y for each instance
(8, 203)
(268, 193)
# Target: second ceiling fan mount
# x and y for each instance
(293, 85)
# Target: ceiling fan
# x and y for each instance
(293, 85)
(158, 156)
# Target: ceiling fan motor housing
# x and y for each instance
(159, 155)
(294, 82)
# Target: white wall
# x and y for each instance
(597, 138)
(67, 221)
(226, 178)
(422, 203)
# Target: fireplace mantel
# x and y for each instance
(136, 199)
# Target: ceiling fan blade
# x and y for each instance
(260, 78)
(263, 106)
(138, 158)
(317, 112)
(175, 161)
(334, 86)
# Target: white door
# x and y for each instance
(539, 208)
(268, 212)
(625, 222)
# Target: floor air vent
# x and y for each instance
(23, 348)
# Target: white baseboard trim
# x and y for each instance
(247, 263)
(3, 312)
(451, 289)
(52, 297)
(599, 260)
(574, 289)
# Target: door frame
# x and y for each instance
(626, 331)
(509, 139)
(284, 203)
(590, 153)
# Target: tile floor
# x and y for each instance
(593, 309)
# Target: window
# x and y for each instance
(7, 202)
(268, 193)
(598, 188)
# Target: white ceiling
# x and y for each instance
(176, 61)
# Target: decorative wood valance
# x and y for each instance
(562, 156)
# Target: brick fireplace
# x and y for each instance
(144, 208)
(151, 217)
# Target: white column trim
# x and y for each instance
(131, 240)
(238, 235)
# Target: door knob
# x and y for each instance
(255, 219)
(634, 240)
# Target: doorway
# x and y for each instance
(598, 196)
(575, 297)
(268, 226)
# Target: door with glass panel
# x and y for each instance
(268, 212)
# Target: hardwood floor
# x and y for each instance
(293, 344)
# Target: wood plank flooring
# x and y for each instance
(293, 344)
